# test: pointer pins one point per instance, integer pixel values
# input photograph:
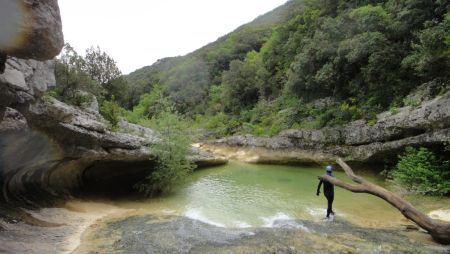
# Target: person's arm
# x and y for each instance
(318, 187)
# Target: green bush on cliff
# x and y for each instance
(111, 111)
(172, 151)
(421, 171)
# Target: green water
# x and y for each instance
(240, 195)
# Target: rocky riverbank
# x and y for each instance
(84, 227)
(171, 234)
(358, 142)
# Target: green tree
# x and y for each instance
(100, 67)
(96, 73)
(104, 70)
(240, 86)
(172, 151)
(71, 77)
(429, 54)
(111, 111)
(421, 171)
(187, 84)
(150, 105)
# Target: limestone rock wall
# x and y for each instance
(30, 36)
(48, 148)
(25, 80)
(426, 125)
(58, 150)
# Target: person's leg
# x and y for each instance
(329, 208)
(330, 204)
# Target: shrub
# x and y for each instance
(81, 98)
(421, 171)
(411, 102)
(393, 110)
(172, 155)
(111, 111)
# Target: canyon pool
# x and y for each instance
(249, 208)
(251, 195)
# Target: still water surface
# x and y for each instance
(240, 195)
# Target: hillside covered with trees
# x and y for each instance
(306, 64)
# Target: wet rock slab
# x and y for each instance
(152, 234)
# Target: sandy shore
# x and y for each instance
(74, 218)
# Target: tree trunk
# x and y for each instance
(440, 231)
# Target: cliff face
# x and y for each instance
(426, 125)
(31, 32)
(30, 37)
(48, 148)
(55, 149)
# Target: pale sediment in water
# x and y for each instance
(440, 214)
(70, 221)
(265, 155)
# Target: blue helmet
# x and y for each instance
(329, 168)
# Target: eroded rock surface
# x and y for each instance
(427, 125)
(70, 150)
(23, 81)
(152, 234)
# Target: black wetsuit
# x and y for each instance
(328, 191)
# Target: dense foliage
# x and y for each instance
(95, 73)
(112, 112)
(80, 78)
(360, 56)
(172, 154)
(422, 171)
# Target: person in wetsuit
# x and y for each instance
(328, 190)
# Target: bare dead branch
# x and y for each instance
(440, 231)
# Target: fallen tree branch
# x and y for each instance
(440, 231)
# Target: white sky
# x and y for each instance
(136, 33)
